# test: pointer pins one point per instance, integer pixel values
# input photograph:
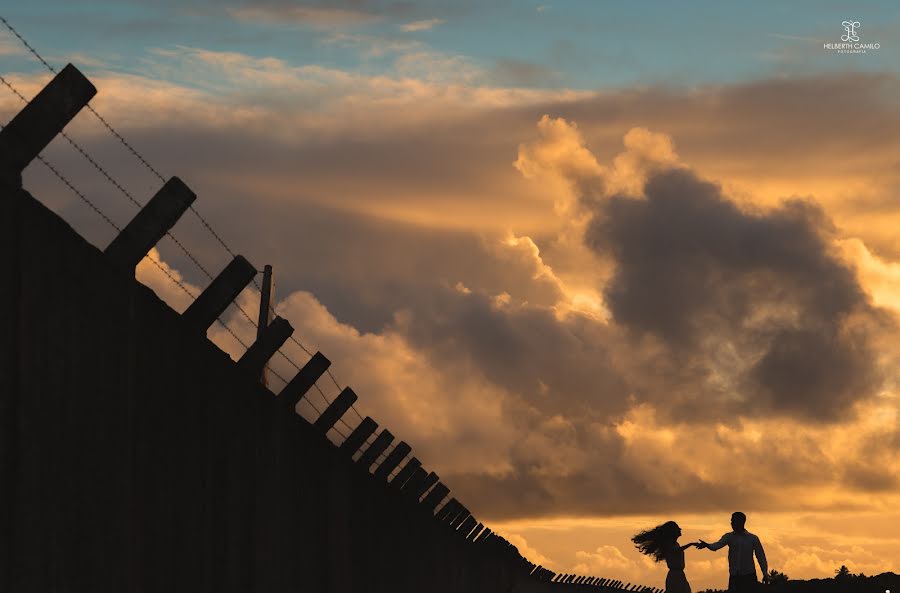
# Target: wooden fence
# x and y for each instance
(369, 449)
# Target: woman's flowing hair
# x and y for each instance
(656, 542)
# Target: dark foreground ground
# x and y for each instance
(883, 583)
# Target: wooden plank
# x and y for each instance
(474, 533)
(435, 497)
(394, 458)
(303, 381)
(370, 455)
(406, 473)
(45, 116)
(150, 224)
(359, 436)
(260, 351)
(213, 301)
(336, 410)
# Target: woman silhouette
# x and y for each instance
(661, 543)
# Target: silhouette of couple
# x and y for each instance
(661, 543)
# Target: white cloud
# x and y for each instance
(423, 25)
(319, 17)
(527, 550)
(153, 272)
(454, 418)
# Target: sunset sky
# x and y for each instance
(601, 264)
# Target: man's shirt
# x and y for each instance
(741, 547)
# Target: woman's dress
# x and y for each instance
(676, 582)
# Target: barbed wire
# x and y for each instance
(162, 267)
(105, 217)
(109, 177)
(113, 181)
(153, 260)
(118, 136)
(134, 152)
(200, 217)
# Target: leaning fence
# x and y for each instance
(374, 449)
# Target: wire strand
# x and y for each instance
(155, 262)
(31, 49)
(155, 172)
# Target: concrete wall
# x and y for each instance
(135, 456)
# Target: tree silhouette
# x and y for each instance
(842, 573)
(776, 577)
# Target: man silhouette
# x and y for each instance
(741, 546)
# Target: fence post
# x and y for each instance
(336, 409)
(434, 497)
(406, 473)
(394, 458)
(45, 116)
(359, 435)
(265, 312)
(418, 490)
(459, 518)
(150, 224)
(213, 301)
(452, 506)
(413, 482)
(370, 455)
(303, 381)
(260, 351)
(467, 526)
